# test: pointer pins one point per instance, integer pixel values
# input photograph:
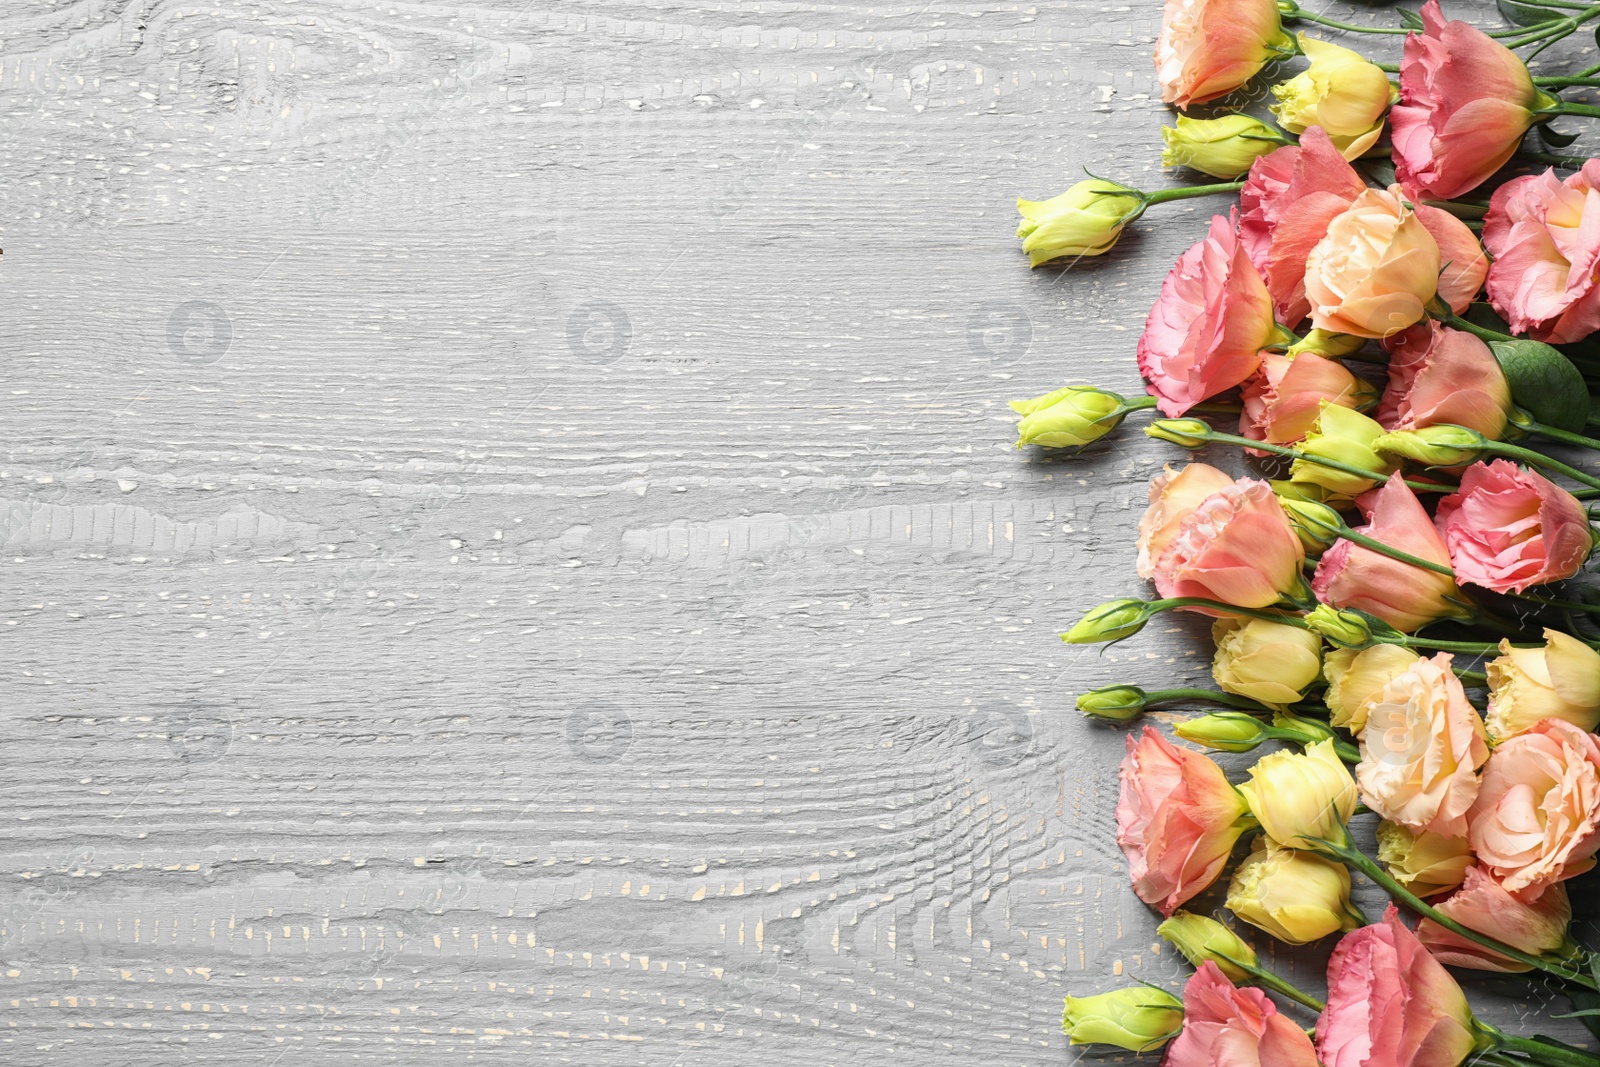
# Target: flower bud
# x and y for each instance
(1111, 621)
(1230, 731)
(1201, 938)
(1317, 525)
(1342, 91)
(1221, 147)
(1427, 863)
(1071, 417)
(1324, 343)
(1357, 677)
(1139, 1018)
(1344, 627)
(1272, 662)
(1294, 896)
(1190, 433)
(1119, 703)
(1302, 800)
(1442, 445)
(1559, 681)
(1343, 436)
(1086, 220)
(1287, 726)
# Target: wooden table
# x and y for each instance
(512, 540)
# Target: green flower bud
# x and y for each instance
(1304, 731)
(1344, 628)
(1139, 1018)
(1119, 703)
(1201, 938)
(1317, 525)
(1436, 446)
(1324, 343)
(1190, 433)
(1231, 731)
(1222, 147)
(1346, 437)
(1071, 417)
(1086, 220)
(1111, 621)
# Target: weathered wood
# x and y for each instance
(512, 541)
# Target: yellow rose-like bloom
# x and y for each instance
(1559, 681)
(1342, 91)
(1294, 896)
(1302, 799)
(1267, 661)
(1343, 436)
(1222, 147)
(1201, 938)
(1375, 270)
(1356, 678)
(1086, 220)
(1427, 863)
(1071, 417)
(1137, 1018)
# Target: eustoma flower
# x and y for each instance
(1438, 375)
(1528, 685)
(1391, 1004)
(1509, 528)
(1425, 864)
(1224, 1026)
(1209, 325)
(1209, 48)
(1138, 1018)
(1202, 939)
(1403, 595)
(1236, 547)
(1177, 820)
(1358, 677)
(1537, 926)
(1297, 897)
(1534, 822)
(1221, 147)
(1073, 416)
(1272, 662)
(1375, 270)
(1545, 237)
(1086, 220)
(1284, 399)
(1421, 750)
(1302, 799)
(1341, 91)
(1173, 497)
(1465, 102)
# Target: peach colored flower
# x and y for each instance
(1209, 48)
(1464, 266)
(1534, 822)
(1287, 203)
(1536, 926)
(1406, 597)
(1173, 497)
(1465, 102)
(1509, 527)
(1442, 376)
(1391, 1004)
(1284, 400)
(1545, 236)
(1559, 681)
(1225, 1026)
(1421, 750)
(1375, 270)
(1237, 546)
(1208, 327)
(1177, 820)
(1357, 677)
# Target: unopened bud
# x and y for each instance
(1068, 418)
(1317, 525)
(1201, 938)
(1230, 731)
(1111, 621)
(1345, 628)
(1324, 343)
(1442, 445)
(1190, 433)
(1119, 703)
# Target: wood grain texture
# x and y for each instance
(511, 539)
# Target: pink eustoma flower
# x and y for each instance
(1284, 400)
(1439, 375)
(1509, 528)
(1391, 1004)
(1209, 48)
(1225, 1026)
(1536, 925)
(1536, 821)
(1236, 546)
(1545, 237)
(1209, 325)
(1465, 102)
(1178, 818)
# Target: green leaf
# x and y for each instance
(1410, 19)
(1545, 382)
(1523, 14)
(1556, 139)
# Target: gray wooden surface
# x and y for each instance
(511, 540)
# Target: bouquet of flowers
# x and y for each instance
(1399, 315)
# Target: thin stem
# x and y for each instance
(1348, 468)
(1564, 436)
(1345, 853)
(1539, 459)
(1566, 81)
(1471, 648)
(1161, 196)
(1551, 602)
(1570, 162)
(1378, 546)
(1470, 676)
(1277, 985)
(1242, 703)
(1567, 107)
(1303, 15)
(1539, 1052)
(1201, 602)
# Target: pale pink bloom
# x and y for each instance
(1237, 547)
(1284, 400)
(1225, 1026)
(1510, 527)
(1534, 822)
(1545, 237)
(1376, 268)
(1439, 375)
(1173, 497)
(1536, 926)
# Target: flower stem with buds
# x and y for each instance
(1209, 436)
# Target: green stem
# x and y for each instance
(1471, 648)
(1564, 436)
(1539, 459)
(1551, 602)
(1567, 107)
(1571, 162)
(1378, 546)
(1459, 209)
(1538, 1051)
(1470, 676)
(1566, 82)
(1201, 602)
(1348, 468)
(1161, 196)
(1346, 853)
(1277, 985)
(1242, 703)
